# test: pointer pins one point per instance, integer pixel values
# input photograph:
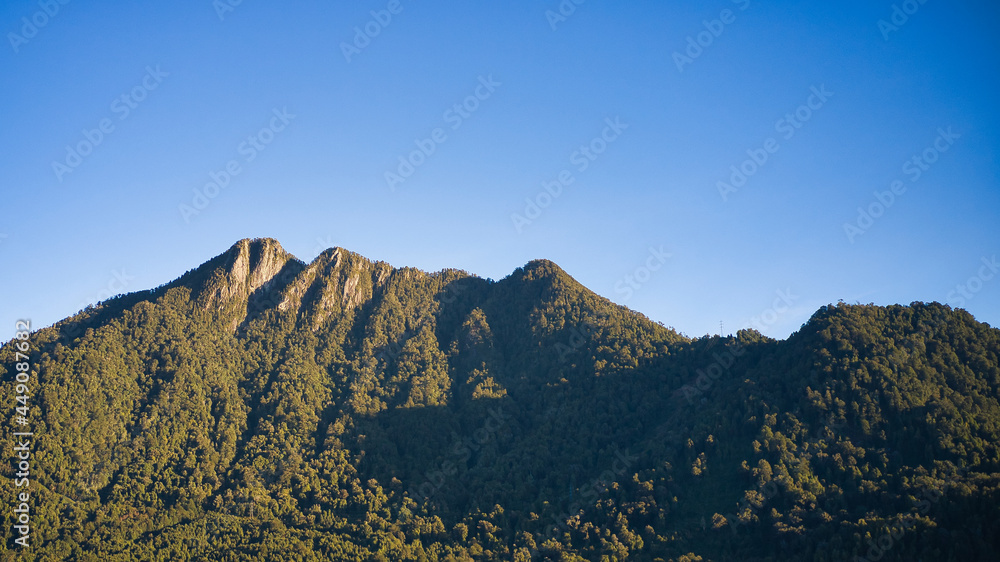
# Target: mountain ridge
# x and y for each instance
(346, 409)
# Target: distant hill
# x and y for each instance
(264, 408)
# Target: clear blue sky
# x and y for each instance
(198, 85)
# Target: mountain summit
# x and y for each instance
(263, 408)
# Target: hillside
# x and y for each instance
(263, 408)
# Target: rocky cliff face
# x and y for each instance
(250, 265)
(337, 281)
(257, 275)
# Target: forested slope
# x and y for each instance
(262, 408)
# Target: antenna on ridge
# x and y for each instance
(720, 328)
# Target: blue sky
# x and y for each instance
(643, 109)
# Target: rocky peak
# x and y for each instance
(246, 267)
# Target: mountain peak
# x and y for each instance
(246, 267)
(257, 244)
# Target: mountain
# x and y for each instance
(264, 408)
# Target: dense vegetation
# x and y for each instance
(261, 408)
